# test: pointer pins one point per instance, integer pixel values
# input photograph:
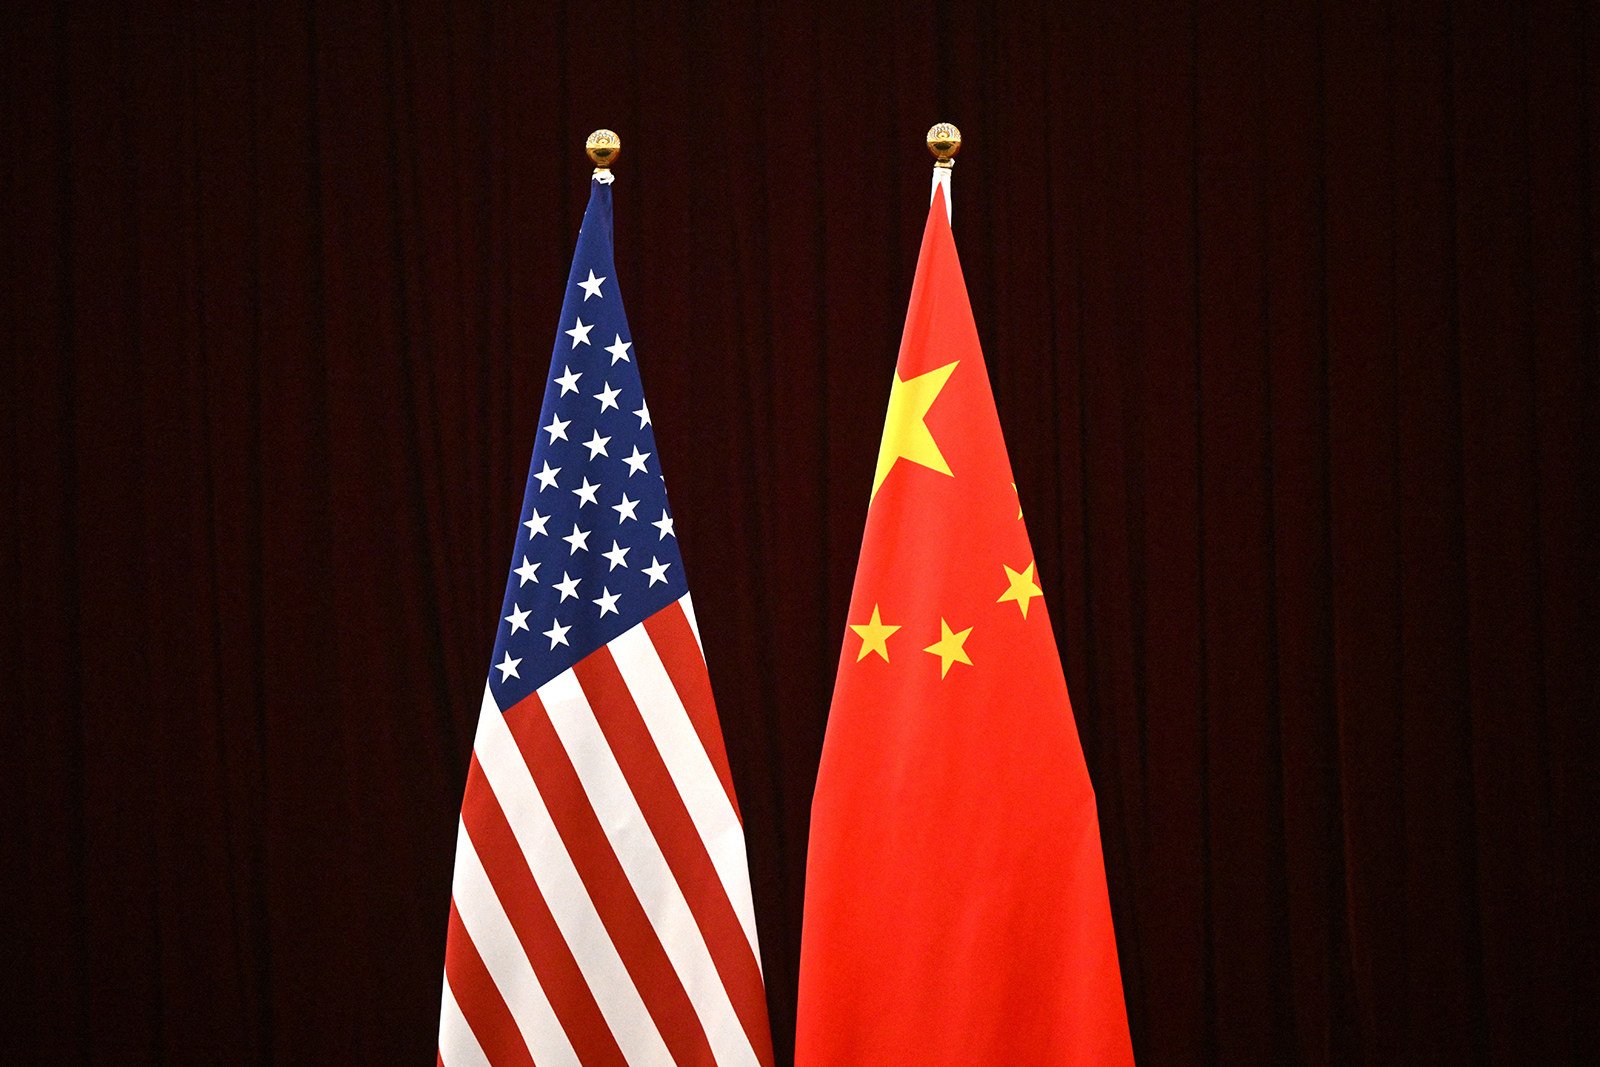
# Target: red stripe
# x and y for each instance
(480, 1000)
(553, 963)
(680, 842)
(613, 895)
(675, 643)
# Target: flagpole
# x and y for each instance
(603, 147)
(944, 141)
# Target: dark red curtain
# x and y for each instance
(1291, 310)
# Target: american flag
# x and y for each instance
(601, 908)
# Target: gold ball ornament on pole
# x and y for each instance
(603, 147)
(944, 141)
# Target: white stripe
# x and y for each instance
(563, 890)
(688, 611)
(941, 176)
(642, 861)
(458, 1045)
(691, 769)
(496, 939)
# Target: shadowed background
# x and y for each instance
(1291, 313)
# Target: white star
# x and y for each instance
(597, 445)
(536, 525)
(608, 397)
(579, 333)
(618, 556)
(518, 618)
(585, 493)
(591, 287)
(624, 510)
(664, 524)
(547, 477)
(577, 539)
(527, 573)
(557, 429)
(608, 602)
(644, 414)
(568, 586)
(557, 633)
(569, 381)
(657, 571)
(635, 462)
(619, 350)
(508, 667)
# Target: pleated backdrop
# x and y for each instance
(1291, 311)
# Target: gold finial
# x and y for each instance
(603, 146)
(944, 141)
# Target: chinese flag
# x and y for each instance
(955, 908)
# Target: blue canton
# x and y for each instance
(596, 553)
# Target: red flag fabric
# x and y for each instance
(956, 908)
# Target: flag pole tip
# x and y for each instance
(944, 141)
(603, 147)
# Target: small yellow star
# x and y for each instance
(1023, 588)
(905, 434)
(874, 636)
(949, 647)
(1019, 499)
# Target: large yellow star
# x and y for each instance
(1023, 588)
(949, 647)
(874, 636)
(905, 434)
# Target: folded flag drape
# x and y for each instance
(956, 908)
(601, 909)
